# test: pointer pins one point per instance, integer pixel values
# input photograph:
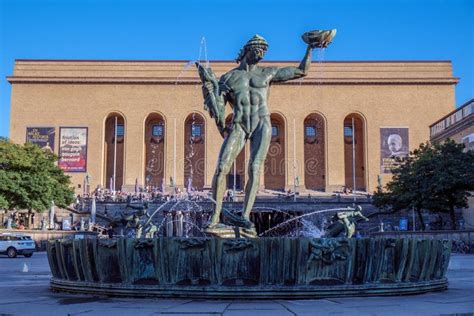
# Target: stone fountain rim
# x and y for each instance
(250, 292)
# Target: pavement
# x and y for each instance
(24, 290)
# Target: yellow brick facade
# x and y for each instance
(83, 93)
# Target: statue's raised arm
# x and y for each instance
(290, 73)
(214, 101)
(314, 39)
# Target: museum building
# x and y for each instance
(126, 123)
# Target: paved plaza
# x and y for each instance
(24, 290)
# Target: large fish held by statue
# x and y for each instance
(213, 99)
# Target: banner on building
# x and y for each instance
(41, 136)
(393, 143)
(73, 149)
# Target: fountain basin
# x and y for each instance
(262, 268)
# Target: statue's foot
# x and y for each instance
(251, 234)
(213, 226)
(236, 220)
(246, 223)
(219, 230)
(248, 232)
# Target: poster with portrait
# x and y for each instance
(393, 143)
(41, 136)
(73, 149)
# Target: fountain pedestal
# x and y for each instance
(263, 268)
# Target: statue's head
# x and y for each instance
(253, 50)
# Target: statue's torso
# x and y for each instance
(248, 95)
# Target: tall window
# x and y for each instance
(314, 152)
(114, 137)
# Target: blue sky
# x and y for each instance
(105, 29)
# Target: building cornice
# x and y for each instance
(225, 61)
(195, 80)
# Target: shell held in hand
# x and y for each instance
(319, 38)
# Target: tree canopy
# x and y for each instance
(30, 178)
(434, 177)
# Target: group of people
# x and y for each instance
(104, 195)
(14, 223)
(148, 194)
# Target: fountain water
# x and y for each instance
(309, 224)
(191, 154)
(190, 157)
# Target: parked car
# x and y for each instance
(16, 244)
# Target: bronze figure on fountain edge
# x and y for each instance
(246, 89)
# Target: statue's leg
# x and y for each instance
(259, 144)
(230, 149)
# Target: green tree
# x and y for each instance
(30, 179)
(405, 190)
(452, 180)
(434, 177)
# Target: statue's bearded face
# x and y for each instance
(255, 54)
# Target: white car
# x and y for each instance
(16, 244)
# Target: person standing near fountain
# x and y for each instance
(246, 89)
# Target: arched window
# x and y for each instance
(155, 150)
(354, 151)
(194, 151)
(114, 144)
(275, 169)
(314, 152)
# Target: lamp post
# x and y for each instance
(353, 162)
(235, 181)
(115, 156)
(51, 216)
(93, 210)
(174, 154)
(295, 177)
